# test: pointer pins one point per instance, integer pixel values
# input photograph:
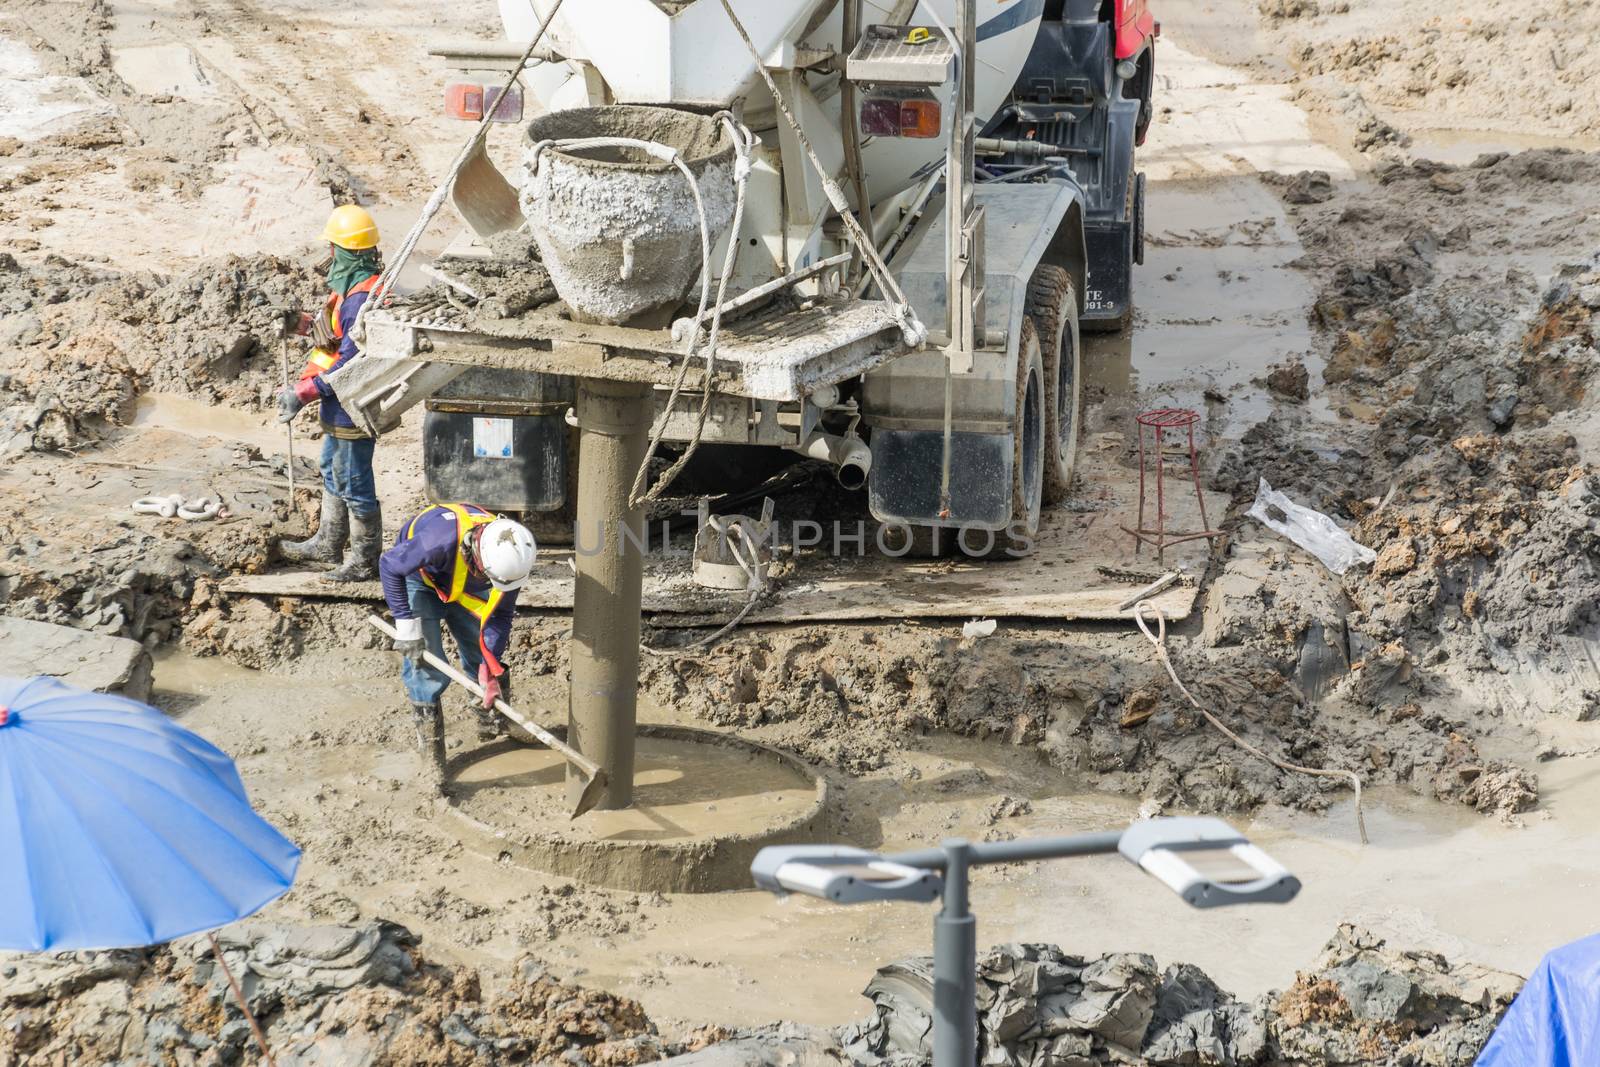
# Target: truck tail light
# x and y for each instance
(462, 101)
(466, 100)
(900, 115)
(919, 118)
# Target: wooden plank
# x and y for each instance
(1061, 581)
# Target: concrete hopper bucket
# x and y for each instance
(618, 227)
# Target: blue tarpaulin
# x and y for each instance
(1555, 1020)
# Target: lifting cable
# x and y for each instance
(392, 269)
(1158, 639)
(915, 333)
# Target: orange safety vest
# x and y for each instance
(320, 360)
(481, 609)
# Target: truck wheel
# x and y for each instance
(919, 542)
(1019, 538)
(1053, 307)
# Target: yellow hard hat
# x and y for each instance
(351, 227)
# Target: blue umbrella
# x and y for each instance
(119, 828)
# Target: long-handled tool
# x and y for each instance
(288, 426)
(593, 789)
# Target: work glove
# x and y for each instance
(490, 684)
(291, 398)
(408, 637)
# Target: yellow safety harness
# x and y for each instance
(481, 608)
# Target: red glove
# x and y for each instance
(305, 390)
(490, 684)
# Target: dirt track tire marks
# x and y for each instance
(360, 150)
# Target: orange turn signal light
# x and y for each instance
(919, 118)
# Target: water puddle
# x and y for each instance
(198, 418)
(162, 69)
(1424, 882)
(1461, 147)
(32, 103)
(1216, 302)
(682, 791)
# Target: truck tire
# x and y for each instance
(1053, 307)
(1020, 537)
(911, 541)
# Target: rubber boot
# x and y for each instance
(327, 543)
(488, 723)
(428, 719)
(366, 544)
(490, 726)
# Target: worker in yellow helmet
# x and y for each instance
(349, 495)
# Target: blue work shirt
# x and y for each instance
(430, 549)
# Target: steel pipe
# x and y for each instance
(613, 420)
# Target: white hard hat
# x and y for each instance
(506, 552)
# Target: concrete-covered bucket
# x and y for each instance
(616, 226)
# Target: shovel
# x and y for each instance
(482, 195)
(595, 785)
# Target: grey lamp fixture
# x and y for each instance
(1205, 861)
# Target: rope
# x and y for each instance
(743, 142)
(752, 569)
(915, 333)
(1159, 640)
(392, 269)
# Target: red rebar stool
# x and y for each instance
(1159, 422)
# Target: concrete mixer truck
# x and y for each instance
(903, 212)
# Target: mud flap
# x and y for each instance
(499, 462)
(904, 483)
(500, 439)
(1109, 286)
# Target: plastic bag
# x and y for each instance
(1311, 530)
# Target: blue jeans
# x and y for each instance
(425, 684)
(347, 472)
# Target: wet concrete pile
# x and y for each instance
(78, 343)
(343, 995)
(1362, 1002)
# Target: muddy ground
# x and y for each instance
(1372, 268)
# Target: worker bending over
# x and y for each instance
(460, 565)
(349, 494)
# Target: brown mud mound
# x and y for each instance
(1465, 452)
(842, 696)
(1362, 1002)
(323, 994)
(1489, 64)
(1102, 711)
(78, 344)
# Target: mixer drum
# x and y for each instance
(617, 228)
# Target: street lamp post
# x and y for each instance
(1203, 860)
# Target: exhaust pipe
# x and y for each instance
(849, 454)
